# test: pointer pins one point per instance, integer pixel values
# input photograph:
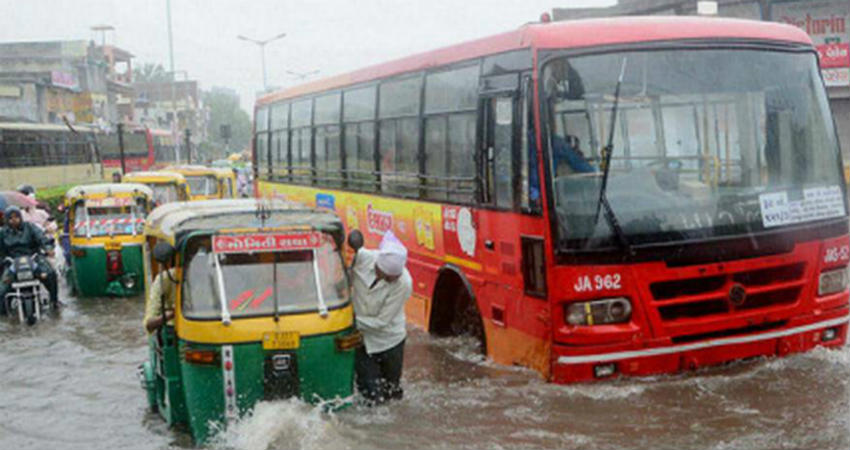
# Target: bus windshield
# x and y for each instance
(706, 143)
(202, 184)
(251, 281)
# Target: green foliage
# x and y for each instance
(53, 196)
(224, 108)
(151, 73)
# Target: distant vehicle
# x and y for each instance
(46, 155)
(144, 149)
(167, 186)
(265, 311)
(207, 183)
(590, 198)
(103, 238)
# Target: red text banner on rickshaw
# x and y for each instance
(109, 202)
(265, 242)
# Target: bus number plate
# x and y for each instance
(281, 340)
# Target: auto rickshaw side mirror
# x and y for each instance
(163, 252)
(355, 239)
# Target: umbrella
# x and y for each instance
(15, 198)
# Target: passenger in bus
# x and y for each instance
(567, 154)
(382, 286)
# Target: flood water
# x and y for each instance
(70, 382)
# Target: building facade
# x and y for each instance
(58, 81)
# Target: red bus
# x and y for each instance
(591, 198)
(144, 149)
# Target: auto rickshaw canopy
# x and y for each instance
(105, 190)
(159, 176)
(172, 221)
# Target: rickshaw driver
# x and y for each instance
(21, 238)
(382, 285)
(163, 294)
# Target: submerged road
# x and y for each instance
(70, 383)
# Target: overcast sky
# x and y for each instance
(332, 36)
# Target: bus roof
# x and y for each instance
(108, 189)
(173, 219)
(26, 126)
(149, 176)
(566, 34)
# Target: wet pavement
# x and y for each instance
(69, 382)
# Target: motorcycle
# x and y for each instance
(28, 296)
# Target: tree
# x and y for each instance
(223, 104)
(151, 73)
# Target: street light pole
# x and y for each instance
(262, 44)
(174, 133)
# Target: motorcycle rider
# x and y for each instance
(19, 238)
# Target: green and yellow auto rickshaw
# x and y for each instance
(204, 183)
(103, 236)
(167, 186)
(262, 310)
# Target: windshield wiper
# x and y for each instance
(610, 217)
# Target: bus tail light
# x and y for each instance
(599, 312)
(832, 281)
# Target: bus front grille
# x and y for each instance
(728, 294)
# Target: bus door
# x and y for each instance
(499, 228)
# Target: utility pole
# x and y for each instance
(174, 123)
(188, 146)
(120, 127)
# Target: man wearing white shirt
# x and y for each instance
(382, 286)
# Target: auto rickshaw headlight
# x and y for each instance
(128, 281)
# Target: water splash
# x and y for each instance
(285, 424)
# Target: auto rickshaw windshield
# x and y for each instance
(202, 184)
(302, 280)
(108, 220)
(164, 193)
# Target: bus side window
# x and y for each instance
(497, 151)
(529, 171)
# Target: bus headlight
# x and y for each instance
(832, 281)
(599, 312)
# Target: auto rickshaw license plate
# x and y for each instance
(281, 340)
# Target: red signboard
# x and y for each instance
(265, 242)
(110, 202)
(834, 55)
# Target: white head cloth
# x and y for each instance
(392, 255)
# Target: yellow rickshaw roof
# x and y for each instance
(108, 189)
(172, 219)
(148, 176)
(192, 169)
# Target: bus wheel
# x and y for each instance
(466, 320)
